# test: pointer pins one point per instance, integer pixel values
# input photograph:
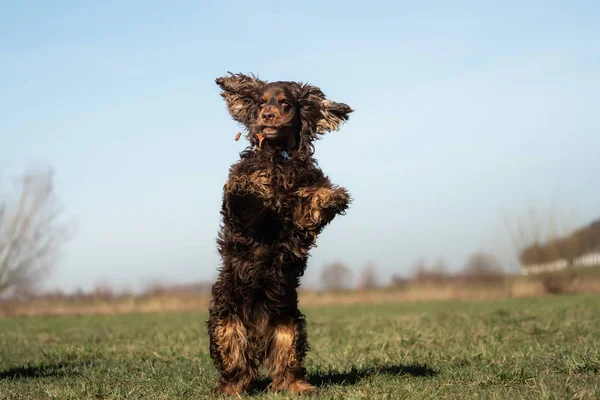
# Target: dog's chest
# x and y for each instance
(279, 175)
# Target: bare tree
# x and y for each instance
(420, 269)
(31, 232)
(368, 279)
(336, 276)
(440, 266)
(481, 266)
(398, 281)
(542, 237)
(437, 273)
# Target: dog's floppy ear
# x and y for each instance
(241, 93)
(320, 115)
(333, 115)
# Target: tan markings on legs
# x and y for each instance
(307, 213)
(232, 339)
(255, 183)
(280, 354)
(318, 200)
(281, 362)
(302, 387)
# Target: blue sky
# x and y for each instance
(466, 112)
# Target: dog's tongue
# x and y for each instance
(260, 137)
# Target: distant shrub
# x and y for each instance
(398, 281)
(434, 274)
(336, 276)
(558, 282)
(482, 267)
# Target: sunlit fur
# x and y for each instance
(273, 209)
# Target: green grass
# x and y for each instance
(544, 348)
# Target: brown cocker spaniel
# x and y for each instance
(275, 203)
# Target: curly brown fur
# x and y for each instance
(276, 201)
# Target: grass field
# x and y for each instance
(541, 348)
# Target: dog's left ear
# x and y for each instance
(333, 115)
(319, 114)
(241, 93)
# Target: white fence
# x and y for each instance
(586, 260)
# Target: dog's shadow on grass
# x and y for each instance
(355, 375)
(38, 371)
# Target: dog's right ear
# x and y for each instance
(242, 96)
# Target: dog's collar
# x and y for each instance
(284, 154)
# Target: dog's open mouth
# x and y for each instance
(270, 131)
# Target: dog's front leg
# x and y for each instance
(246, 199)
(317, 206)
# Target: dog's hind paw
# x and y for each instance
(300, 387)
(303, 388)
(228, 389)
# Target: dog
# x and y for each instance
(276, 201)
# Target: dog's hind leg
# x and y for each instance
(286, 350)
(231, 354)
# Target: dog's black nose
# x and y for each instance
(268, 115)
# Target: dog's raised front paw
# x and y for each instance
(242, 185)
(328, 200)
